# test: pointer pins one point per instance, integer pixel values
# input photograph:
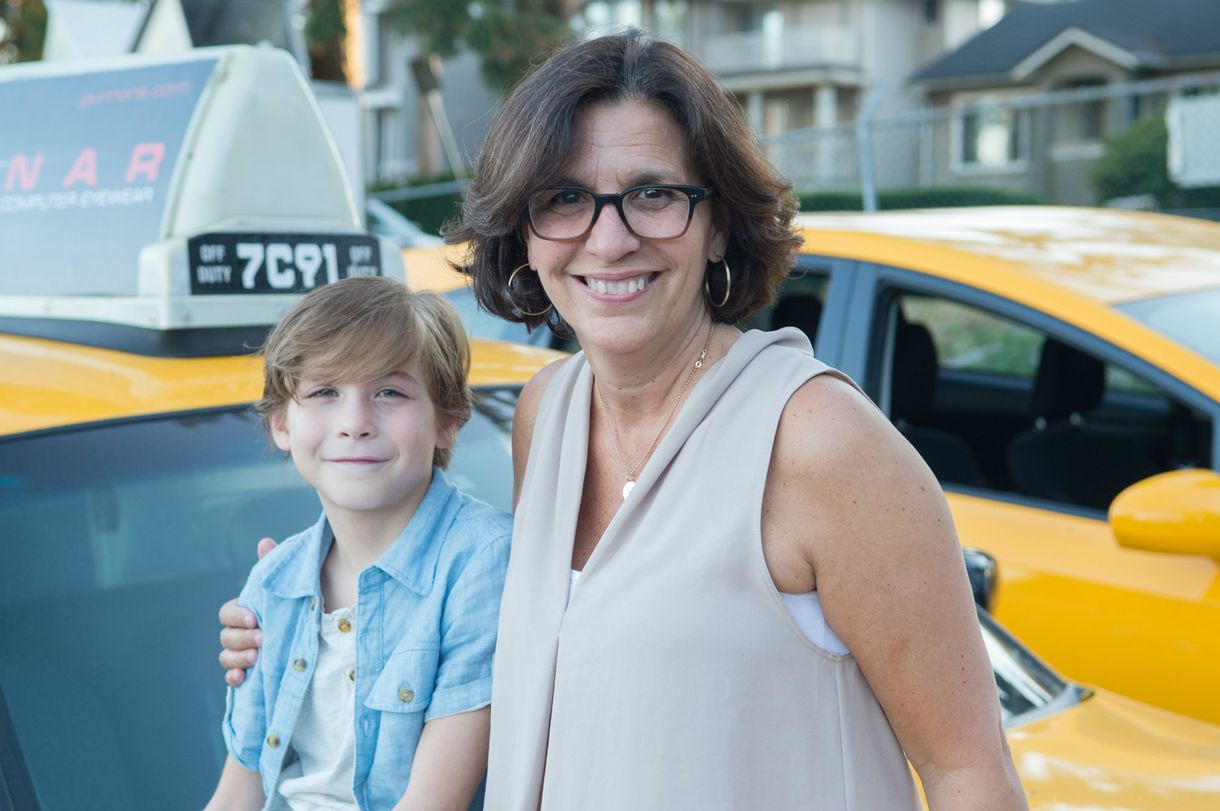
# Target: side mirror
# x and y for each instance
(981, 569)
(1176, 512)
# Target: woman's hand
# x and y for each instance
(240, 636)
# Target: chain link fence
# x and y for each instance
(1150, 144)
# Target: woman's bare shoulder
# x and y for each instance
(833, 443)
(828, 419)
(531, 393)
(524, 416)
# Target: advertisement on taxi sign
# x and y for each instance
(85, 170)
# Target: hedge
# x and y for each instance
(938, 197)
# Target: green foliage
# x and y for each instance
(25, 30)
(1135, 163)
(325, 22)
(325, 33)
(942, 197)
(507, 35)
(431, 212)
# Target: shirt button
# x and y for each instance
(273, 741)
(351, 675)
(298, 665)
(406, 696)
(344, 625)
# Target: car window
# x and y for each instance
(799, 303)
(481, 324)
(973, 340)
(120, 542)
(994, 403)
(1188, 318)
(1024, 684)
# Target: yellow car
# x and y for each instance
(132, 488)
(1059, 370)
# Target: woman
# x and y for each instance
(699, 508)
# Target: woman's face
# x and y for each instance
(619, 292)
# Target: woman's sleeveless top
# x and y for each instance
(675, 678)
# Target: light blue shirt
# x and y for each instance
(425, 635)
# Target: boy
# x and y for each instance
(374, 684)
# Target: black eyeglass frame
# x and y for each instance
(694, 196)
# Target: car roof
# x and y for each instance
(428, 268)
(1106, 255)
(51, 384)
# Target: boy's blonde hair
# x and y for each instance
(360, 329)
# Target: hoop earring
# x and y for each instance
(513, 301)
(728, 287)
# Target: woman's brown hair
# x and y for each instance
(534, 138)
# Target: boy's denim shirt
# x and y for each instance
(426, 630)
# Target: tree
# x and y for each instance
(325, 33)
(1135, 163)
(508, 35)
(23, 27)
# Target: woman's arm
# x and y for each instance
(891, 580)
(449, 764)
(239, 789)
(523, 422)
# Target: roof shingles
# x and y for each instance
(1157, 33)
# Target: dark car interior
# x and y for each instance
(1060, 425)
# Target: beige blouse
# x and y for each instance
(675, 678)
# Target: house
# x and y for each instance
(401, 141)
(797, 64)
(1005, 129)
(803, 65)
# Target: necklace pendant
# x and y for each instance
(627, 488)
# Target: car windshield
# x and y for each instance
(481, 324)
(1188, 318)
(1027, 687)
(121, 541)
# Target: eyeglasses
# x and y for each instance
(567, 213)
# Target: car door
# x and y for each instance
(814, 299)
(965, 376)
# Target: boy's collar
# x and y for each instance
(411, 559)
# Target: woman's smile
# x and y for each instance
(617, 287)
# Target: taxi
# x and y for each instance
(155, 224)
(1059, 371)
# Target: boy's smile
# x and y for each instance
(367, 448)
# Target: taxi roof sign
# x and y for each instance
(118, 167)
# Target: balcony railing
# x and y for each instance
(745, 51)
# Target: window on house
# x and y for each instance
(992, 136)
(1082, 121)
(605, 16)
(786, 110)
(756, 16)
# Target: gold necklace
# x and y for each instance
(630, 484)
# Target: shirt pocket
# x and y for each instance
(406, 682)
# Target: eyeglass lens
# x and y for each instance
(655, 212)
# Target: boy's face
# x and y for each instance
(365, 447)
